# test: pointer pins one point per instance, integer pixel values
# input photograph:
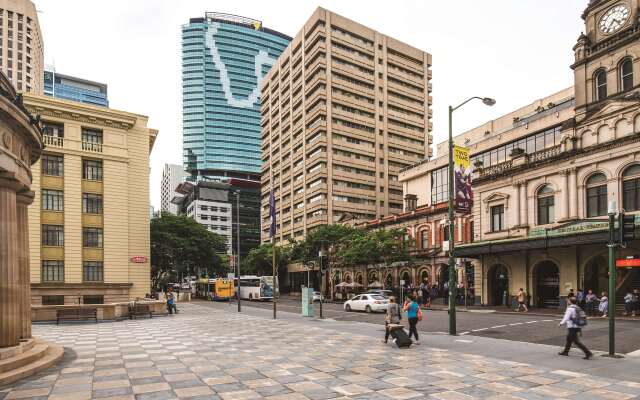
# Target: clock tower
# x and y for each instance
(607, 57)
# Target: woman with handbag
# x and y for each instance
(414, 314)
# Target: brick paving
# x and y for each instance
(203, 353)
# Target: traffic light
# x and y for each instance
(323, 264)
(626, 228)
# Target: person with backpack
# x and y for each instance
(575, 319)
(630, 302)
(414, 314)
(393, 316)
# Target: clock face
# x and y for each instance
(614, 18)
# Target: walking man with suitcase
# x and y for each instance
(575, 319)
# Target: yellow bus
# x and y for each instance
(218, 289)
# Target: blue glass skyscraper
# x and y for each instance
(77, 89)
(224, 58)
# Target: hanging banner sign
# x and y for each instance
(463, 194)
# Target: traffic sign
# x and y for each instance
(628, 262)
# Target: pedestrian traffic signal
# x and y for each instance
(323, 264)
(626, 228)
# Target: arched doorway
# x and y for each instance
(443, 277)
(498, 285)
(596, 275)
(547, 284)
(406, 277)
(373, 277)
(359, 278)
(424, 277)
(347, 277)
(388, 282)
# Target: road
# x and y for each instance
(518, 327)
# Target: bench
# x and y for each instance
(76, 314)
(139, 310)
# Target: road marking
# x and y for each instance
(531, 322)
(517, 323)
(464, 341)
(634, 354)
(498, 326)
(465, 333)
(478, 330)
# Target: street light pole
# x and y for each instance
(452, 267)
(238, 246)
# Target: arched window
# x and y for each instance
(596, 195)
(546, 203)
(626, 74)
(631, 188)
(600, 82)
(425, 237)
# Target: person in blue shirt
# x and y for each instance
(412, 315)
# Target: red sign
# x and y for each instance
(628, 263)
(139, 259)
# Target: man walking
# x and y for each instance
(522, 300)
(575, 319)
(393, 316)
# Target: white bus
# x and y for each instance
(254, 287)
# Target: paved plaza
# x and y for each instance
(216, 353)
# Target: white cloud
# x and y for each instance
(514, 51)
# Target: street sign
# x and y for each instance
(139, 259)
(628, 263)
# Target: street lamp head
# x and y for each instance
(488, 101)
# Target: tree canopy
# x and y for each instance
(259, 260)
(181, 246)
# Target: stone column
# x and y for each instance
(524, 217)
(23, 200)
(10, 320)
(517, 205)
(564, 210)
(573, 194)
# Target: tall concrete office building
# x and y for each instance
(21, 52)
(344, 109)
(172, 176)
(224, 59)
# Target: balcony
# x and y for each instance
(92, 147)
(519, 160)
(53, 141)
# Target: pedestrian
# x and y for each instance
(569, 295)
(580, 297)
(604, 305)
(171, 302)
(414, 314)
(590, 301)
(445, 292)
(522, 299)
(636, 308)
(426, 297)
(420, 296)
(630, 302)
(574, 318)
(393, 316)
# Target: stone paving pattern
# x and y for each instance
(203, 353)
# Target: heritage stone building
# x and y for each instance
(546, 173)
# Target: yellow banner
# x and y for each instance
(463, 198)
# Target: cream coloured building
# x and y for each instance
(89, 222)
(344, 108)
(21, 51)
(545, 173)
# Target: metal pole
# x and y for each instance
(452, 269)
(321, 286)
(273, 262)
(238, 246)
(612, 284)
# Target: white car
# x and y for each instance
(317, 297)
(367, 302)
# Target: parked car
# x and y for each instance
(368, 302)
(317, 296)
(385, 293)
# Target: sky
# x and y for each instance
(515, 51)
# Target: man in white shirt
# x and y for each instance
(569, 319)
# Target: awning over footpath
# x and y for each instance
(583, 232)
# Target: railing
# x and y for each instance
(544, 154)
(91, 146)
(54, 141)
(496, 169)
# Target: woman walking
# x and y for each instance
(413, 314)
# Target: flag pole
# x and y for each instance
(273, 263)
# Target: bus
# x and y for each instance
(254, 287)
(218, 289)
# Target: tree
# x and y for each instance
(259, 260)
(181, 246)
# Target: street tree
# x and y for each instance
(259, 260)
(181, 246)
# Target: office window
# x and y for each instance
(631, 188)
(425, 236)
(52, 200)
(52, 271)
(52, 300)
(92, 271)
(596, 195)
(93, 299)
(92, 170)
(600, 82)
(52, 235)
(52, 165)
(91, 135)
(92, 237)
(52, 129)
(626, 74)
(546, 205)
(91, 203)
(497, 218)
(439, 185)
